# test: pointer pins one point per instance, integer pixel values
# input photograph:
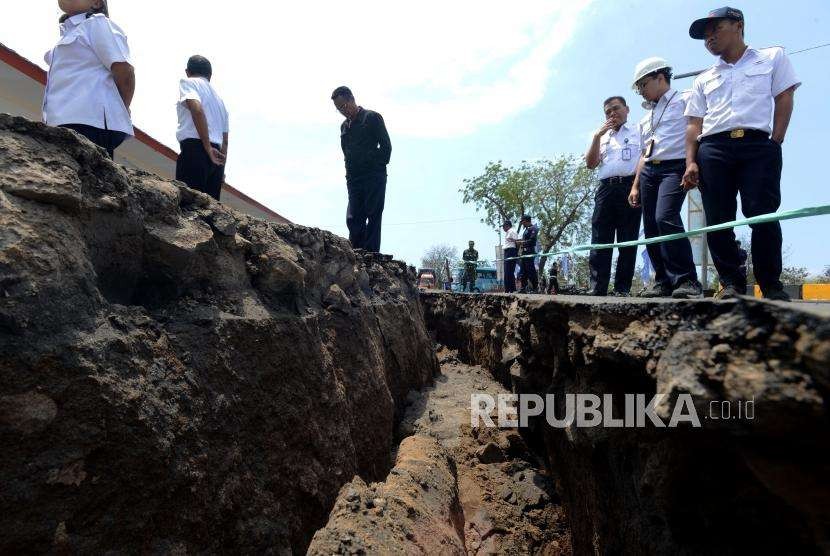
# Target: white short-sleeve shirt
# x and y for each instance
(80, 88)
(511, 238)
(199, 88)
(741, 95)
(668, 118)
(619, 152)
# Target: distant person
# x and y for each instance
(553, 278)
(530, 276)
(203, 130)
(731, 148)
(511, 250)
(470, 257)
(657, 185)
(367, 150)
(615, 150)
(91, 82)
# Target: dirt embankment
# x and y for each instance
(734, 485)
(176, 377)
(454, 489)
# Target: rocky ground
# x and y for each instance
(454, 489)
(734, 485)
(176, 377)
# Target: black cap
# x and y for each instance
(525, 218)
(698, 28)
(507, 223)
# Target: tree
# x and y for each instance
(794, 276)
(556, 193)
(436, 258)
(826, 273)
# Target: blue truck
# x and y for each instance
(486, 280)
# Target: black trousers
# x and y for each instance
(195, 168)
(749, 166)
(613, 216)
(367, 194)
(553, 284)
(107, 139)
(510, 269)
(662, 200)
(530, 276)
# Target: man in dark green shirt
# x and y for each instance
(470, 257)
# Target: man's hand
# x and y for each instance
(608, 125)
(216, 156)
(691, 179)
(779, 140)
(634, 196)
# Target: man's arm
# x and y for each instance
(124, 76)
(225, 145)
(691, 178)
(200, 121)
(385, 151)
(784, 104)
(592, 157)
(634, 195)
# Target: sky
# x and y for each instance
(459, 84)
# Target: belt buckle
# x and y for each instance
(655, 162)
(737, 134)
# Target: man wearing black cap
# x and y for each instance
(732, 149)
(203, 130)
(511, 250)
(367, 150)
(530, 277)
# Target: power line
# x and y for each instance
(698, 72)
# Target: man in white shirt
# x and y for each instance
(203, 130)
(91, 81)
(615, 150)
(511, 250)
(657, 185)
(731, 147)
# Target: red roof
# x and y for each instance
(37, 73)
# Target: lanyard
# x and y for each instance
(654, 127)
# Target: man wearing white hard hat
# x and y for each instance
(615, 150)
(739, 112)
(657, 186)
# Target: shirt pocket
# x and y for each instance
(758, 79)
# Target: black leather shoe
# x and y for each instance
(688, 290)
(777, 294)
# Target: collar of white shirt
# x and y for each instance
(73, 22)
(749, 52)
(623, 130)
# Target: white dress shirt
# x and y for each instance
(80, 88)
(199, 88)
(619, 152)
(740, 95)
(511, 238)
(670, 121)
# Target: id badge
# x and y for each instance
(626, 154)
(649, 148)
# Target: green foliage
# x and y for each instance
(556, 193)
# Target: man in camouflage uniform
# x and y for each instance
(470, 257)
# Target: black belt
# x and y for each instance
(666, 162)
(618, 180)
(737, 134)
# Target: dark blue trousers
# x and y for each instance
(367, 194)
(510, 270)
(662, 200)
(613, 216)
(749, 166)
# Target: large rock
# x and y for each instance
(735, 485)
(179, 377)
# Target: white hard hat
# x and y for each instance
(647, 66)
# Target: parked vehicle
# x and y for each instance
(486, 281)
(426, 279)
